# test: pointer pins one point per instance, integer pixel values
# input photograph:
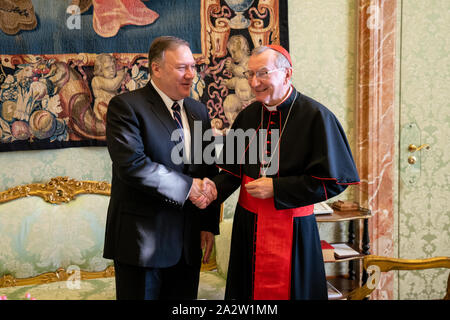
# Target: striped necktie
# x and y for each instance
(177, 117)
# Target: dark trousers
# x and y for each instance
(179, 282)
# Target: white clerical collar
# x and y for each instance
(274, 107)
(167, 101)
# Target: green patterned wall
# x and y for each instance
(424, 95)
(324, 61)
(322, 43)
(325, 69)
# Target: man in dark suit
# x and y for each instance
(154, 232)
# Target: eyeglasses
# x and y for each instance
(261, 74)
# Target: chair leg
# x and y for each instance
(447, 296)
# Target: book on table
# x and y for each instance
(322, 208)
(345, 205)
(327, 251)
(343, 250)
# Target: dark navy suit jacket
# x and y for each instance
(150, 221)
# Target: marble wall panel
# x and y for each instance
(375, 116)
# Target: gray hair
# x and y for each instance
(280, 60)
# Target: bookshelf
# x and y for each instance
(347, 282)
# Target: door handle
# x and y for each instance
(414, 148)
(410, 160)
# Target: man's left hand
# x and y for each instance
(261, 188)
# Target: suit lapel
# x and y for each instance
(160, 110)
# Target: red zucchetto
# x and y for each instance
(281, 50)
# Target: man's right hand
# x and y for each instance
(203, 192)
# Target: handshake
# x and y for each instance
(203, 192)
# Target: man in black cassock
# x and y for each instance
(275, 245)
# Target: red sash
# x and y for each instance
(273, 250)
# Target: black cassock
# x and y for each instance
(314, 163)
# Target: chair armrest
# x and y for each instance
(374, 265)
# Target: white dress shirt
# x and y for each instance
(187, 133)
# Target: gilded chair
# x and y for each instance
(374, 265)
(56, 240)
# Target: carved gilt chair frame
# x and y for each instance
(57, 191)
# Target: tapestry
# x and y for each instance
(62, 61)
